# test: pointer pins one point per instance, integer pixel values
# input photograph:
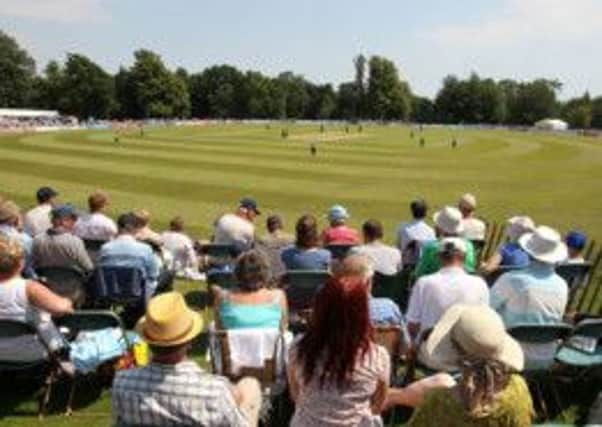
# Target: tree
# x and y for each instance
(359, 63)
(597, 113)
(149, 89)
(86, 89)
(388, 97)
(48, 88)
(217, 92)
(578, 112)
(533, 101)
(346, 101)
(17, 69)
(296, 94)
(423, 110)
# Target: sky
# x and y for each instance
(427, 39)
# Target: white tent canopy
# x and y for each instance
(28, 114)
(552, 124)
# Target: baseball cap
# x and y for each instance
(46, 193)
(63, 211)
(576, 239)
(337, 212)
(250, 203)
(450, 244)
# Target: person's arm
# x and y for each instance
(293, 385)
(378, 400)
(492, 264)
(284, 308)
(413, 395)
(43, 298)
(81, 256)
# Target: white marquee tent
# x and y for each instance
(552, 125)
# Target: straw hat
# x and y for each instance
(468, 200)
(544, 244)
(8, 210)
(519, 225)
(169, 321)
(478, 330)
(449, 219)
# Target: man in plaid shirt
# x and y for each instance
(172, 390)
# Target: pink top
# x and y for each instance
(340, 234)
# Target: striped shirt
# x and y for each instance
(535, 295)
(173, 395)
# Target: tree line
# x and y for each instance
(149, 89)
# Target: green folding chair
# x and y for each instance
(583, 349)
(302, 285)
(394, 287)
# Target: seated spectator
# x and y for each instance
(433, 294)
(272, 245)
(126, 251)
(338, 232)
(181, 248)
(252, 305)
(448, 223)
(536, 294)
(510, 254)
(490, 390)
(383, 311)
(172, 389)
(96, 225)
(413, 235)
(58, 246)
(474, 228)
(37, 220)
(145, 233)
(385, 259)
(10, 227)
(29, 302)
(575, 243)
(338, 378)
(306, 254)
(237, 229)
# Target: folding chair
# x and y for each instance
(394, 287)
(540, 377)
(339, 250)
(394, 340)
(302, 286)
(87, 320)
(45, 363)
(576, 277)
(68, 282)
(93, 247)
(583, 349)
(223, 279)
(479, 247)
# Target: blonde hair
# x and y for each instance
(143, 216)
(11, 255)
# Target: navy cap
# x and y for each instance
(46, 193)
(576, 240)
(63, 211)
(250, 203)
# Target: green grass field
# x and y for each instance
(201, 172)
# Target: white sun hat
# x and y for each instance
(449, 219)
(544, 244)
(452, 244)
(519, 225)
(468, 200)
(476, 330)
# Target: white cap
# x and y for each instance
(449, 219)
(454, 243)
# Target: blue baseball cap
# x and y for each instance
(576, 240)
(337, 212)
(64, 211)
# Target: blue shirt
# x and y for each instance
(535, 295)
(295, 258)
(125, 251)
(513, 255)
(384, 312)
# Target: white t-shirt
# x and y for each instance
(385, 259)
(474, 229)
(182, 250)
(95, 226)
(37, 220)
(234, 230)
(432, 295)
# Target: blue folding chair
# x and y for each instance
(583, 349)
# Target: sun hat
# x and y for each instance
(64, 211)
(449, 219)
(450, 244)
(519, 225)
(169, 321)
(337, 212)
(9, 210)
(476, 330)
(468, 200)
(544, 244)
(250, 203)
(576, 240)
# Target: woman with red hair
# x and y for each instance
(337, 374)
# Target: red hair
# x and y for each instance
(339, 334)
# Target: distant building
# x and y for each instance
(555, 125)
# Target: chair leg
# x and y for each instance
(45, 398)
(69, 409)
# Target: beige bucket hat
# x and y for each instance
(476, 329)
(544, 244)
(449, 219)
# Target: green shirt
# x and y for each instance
(512, 408)
(429, 260)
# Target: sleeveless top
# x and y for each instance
(239, 316)
(13, 300)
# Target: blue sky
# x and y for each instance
(520, 39)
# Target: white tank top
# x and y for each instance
(13, 300)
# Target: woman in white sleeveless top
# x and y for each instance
(26, 301)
